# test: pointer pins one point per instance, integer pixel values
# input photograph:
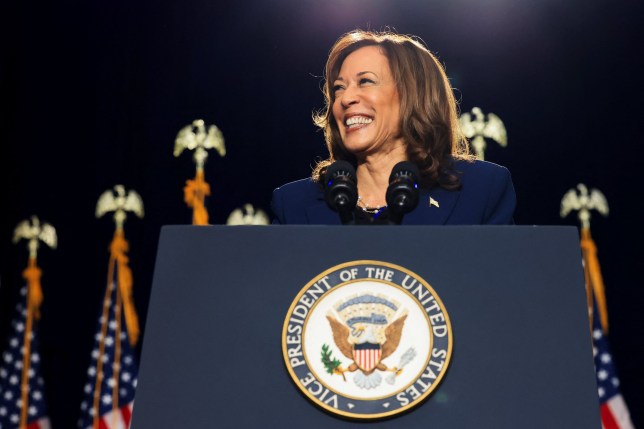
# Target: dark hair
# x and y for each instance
(428, 109)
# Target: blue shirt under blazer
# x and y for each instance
(486, 197)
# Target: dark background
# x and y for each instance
(94, 94)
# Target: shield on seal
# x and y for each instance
(366, 355)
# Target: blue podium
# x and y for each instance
(212, 348)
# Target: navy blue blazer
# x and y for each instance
(486, 197)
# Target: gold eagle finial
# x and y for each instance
(195, 137)
(583, 202)
(34, 232)
(119, 203)
(474, 126)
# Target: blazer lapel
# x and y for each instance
(434, 207)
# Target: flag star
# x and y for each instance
(92, 412)
(105, 358)
(95, 353)
(127, 360)
(31, 373)
(109, 341)
(123, 392)
(97, 337)
(107, 399)
(597, 334)
(8, 358)
(88, 388)
(83, 406)
(18, 364)
(8, 395)
(602, 374)
(123, 335)
(615, 381)
(91, 371)
(126, 376)
(3, 411)
(32, 410)
(41, 381)
(112, 325)
(101, 319)
(605, 358)
(14, 418)
(36, 395)
(134, 382)
(111, 383)
(13, 379)
(601, 392)
(20, 327)
(35, 357)
(14, 342)
(3, 373)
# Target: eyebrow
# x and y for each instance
(362, 73)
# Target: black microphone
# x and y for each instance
(402, 192)
(341, 190)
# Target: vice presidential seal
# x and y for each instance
(367, 339)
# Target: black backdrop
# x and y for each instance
(93, 94)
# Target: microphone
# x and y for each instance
(402, 192)
(341, 190)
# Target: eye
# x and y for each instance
(366, 81)
(337, 87)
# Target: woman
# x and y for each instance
(388, 100)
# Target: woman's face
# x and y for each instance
(367, 106)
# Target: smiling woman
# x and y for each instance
(388, 100)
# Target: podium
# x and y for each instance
(522, 351)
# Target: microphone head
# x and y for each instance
(405, 169)
(402, 192)
(340, 186)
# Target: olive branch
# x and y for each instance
(330, 363)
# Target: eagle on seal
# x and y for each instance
(360, 344)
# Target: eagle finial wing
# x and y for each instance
(106, 203)
(467, 125)
(22, 230)
(215, 139)
(341, 337)
(495, 130)
(598, 202)
(393, 334)
(48, 235)
(134, 203)
(186, 139)
(569, 202)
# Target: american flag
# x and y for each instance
(613, 409)
(112, 398)
(11, 366)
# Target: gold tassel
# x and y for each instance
(194, 194)
(594, 280)
(118, 248)
(32, 275)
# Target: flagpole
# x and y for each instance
(101, 348)
(34, 232)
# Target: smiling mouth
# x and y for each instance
(354, 122)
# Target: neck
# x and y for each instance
(373, 175)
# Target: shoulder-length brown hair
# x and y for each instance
(428, 109)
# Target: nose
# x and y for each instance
(349, 96)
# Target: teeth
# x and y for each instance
(357, 120)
